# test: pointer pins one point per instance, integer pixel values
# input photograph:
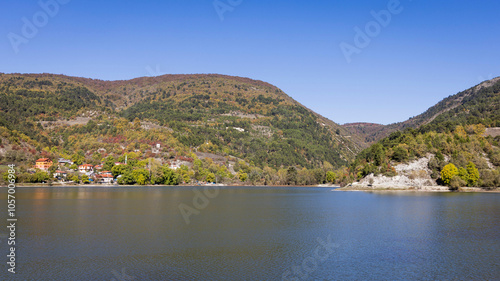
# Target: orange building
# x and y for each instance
(43, 164)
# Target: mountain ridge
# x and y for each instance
(376, 132)
(459, 134)
(202, 101)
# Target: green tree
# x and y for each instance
(120, 170)
(197, 164)
(85, 179)
(319, 175)
(244, 167)
(184, 173)
(327, 166)
(211, 177)
(130, 157)
(254, 176)
(448, 172)
(40, 177)
(141, 176)
(242, 176)
(126, 179)
(141, 179)
(378, 154)
(473, 173)
(291, 175)
(6, 177)
(222, 173)
(463, 174)
(170, 177)
(77, 158)
(53, 169)
(330, 177)
(270, 175)
(400, 153)
(109, 163)
(75, 179)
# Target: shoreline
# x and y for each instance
(163, 185)
(413, 189)
(333, 187)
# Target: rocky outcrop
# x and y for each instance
(413, 175)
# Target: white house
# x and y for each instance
(60, 174)
(86, 169)
(104, 178)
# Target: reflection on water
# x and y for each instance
(100, 233)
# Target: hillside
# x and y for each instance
(368, 132)
(238, 119)
(460, 130)
(450, 106)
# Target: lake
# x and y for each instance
(251, 233)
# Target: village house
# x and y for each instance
(104, 178)
(43, 164)
(63, 161)
(86, 169)
(60, 174)
(98, 167)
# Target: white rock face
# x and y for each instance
(415, 174)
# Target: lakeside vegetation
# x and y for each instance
(455, 140)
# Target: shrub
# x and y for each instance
(436, 164)
(462, 173)
(456, 182)
(400, 154)
(473, 174)
(490, 179)
(211, 177)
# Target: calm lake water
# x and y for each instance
(247, 233)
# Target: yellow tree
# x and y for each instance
(460, 132)
(473, 174)
(448, 172)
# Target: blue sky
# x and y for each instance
(428, 50)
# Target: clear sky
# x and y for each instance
(426, 51)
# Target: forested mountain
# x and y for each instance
(460, 130)
(232, 117)
(450, 106)
(367, 132)
(232, 127)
